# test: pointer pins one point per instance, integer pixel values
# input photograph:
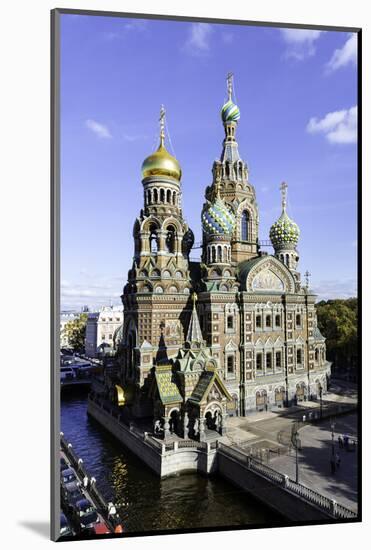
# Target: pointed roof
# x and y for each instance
(167, 388)
(204, 385)
(194, 334)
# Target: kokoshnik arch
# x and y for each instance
(234, 333)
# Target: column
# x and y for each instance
(202, 429)
(185, 426)
(166, 427)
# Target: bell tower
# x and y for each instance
(157, 295)
(232, 175)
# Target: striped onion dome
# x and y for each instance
(284, 232)
(230, 112)
(217, 219)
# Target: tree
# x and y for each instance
(75, 331)
(338, 322)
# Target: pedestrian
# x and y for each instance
(338, 460)
(340, 440)
(333, 466)
(346, 441)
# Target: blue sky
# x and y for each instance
(297, 93)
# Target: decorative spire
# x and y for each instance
(283, 188)
(194, 334)
(307, 275)
(162, 126)
(230, 85)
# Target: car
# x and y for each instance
(84, 514)
(71, 493)
(67, 476)
(65, 528)
(67, 373)
(100, 528)
(64, 465)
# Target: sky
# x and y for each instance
(297, 93)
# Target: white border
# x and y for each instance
(25, 48)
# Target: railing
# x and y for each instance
(329, 506)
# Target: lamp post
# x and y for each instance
(295, 441)
(332, 438)
(320, 400)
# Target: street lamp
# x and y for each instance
(332, 437)
(296, 441)
(320, 400)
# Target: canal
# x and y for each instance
(146, 502)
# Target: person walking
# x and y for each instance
(338, 460)
(340, 441)
(332, 464)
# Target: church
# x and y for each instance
(231, 334)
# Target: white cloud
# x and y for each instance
(94, 293)
(300, 42)
(347, 55)
(99, 129)
(338, 126)
(198, 42)
(332, 289)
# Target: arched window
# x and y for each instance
(168, 196)
(155, 195)
(245, 218)
(153, 239)
(174, 198)
(170, 239)
(162, 195)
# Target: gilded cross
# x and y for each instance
(283, 188)
(162, 124)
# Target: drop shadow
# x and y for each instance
(41, 528)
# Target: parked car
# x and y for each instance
(71, 493)
(67, 476)
(64, 465)
(67, 373)
(84, 514)
(65, 528)
(100, 528)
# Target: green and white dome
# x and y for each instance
(284, 232)
(230, 112)
(217, 219)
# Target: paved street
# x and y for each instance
(269, 429)
(314, 461)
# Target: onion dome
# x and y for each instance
(217, 219)
(284, 232)
(161, 163)
(230, 112)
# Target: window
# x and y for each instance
(268, 321)
(170, 239)
(230, 321)
(298, 320)
(269, 360)
(299, 356)
(118, 319)
(278, 320)
(103, 336)
(110, 336)
(258, 321)
(278, 359)
(110, 319)
(245, 218)
(103, 319)
(259, 361)
(230, 364)
(316, 355)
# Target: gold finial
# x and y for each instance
(283, 188)
(229, 85)
(162, 126)
(194, 299)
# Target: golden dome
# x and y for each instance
(161, 163)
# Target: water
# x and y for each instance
(144, 501)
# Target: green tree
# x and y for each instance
(338, 322)
(75, 331)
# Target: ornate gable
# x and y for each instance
(266, 274)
